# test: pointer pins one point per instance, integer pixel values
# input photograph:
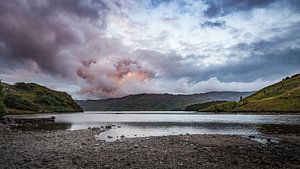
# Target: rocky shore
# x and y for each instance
(80, 149)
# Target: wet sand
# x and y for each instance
(80, 149)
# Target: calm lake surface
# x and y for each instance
(147, 123)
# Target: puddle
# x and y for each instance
(262, 139)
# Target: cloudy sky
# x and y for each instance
(111, 48)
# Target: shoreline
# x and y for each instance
(80, 149)
(253, 113)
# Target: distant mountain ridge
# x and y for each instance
(157, 102)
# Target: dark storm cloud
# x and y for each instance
(224, 7)
(81, 7)
(33, 31)
(155, 3)
(268, 66)
(268, 59)
(210, 24)
(171, 65)
(294, 4)
(97, 44)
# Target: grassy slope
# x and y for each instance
(33, 98)
(283, 96)
(2, 106)
(196, 107)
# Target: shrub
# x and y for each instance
(2, 105)
(17, 102)
(24, 86)
(2, 108)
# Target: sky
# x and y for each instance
(111, 48)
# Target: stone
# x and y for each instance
(106, 166)
(180, 164)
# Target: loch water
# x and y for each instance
(130, 124)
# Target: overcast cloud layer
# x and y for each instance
(111, 48)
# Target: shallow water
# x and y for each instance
(147, 123)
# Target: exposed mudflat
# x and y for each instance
(80, 149)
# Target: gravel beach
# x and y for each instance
(80, 149)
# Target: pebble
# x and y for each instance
(107, 166)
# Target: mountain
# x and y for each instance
(23, 98)
(157, 102)
(283, 96)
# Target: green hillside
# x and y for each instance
(2, 106)
(199, 106)
(33, 98)
(283, 96)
